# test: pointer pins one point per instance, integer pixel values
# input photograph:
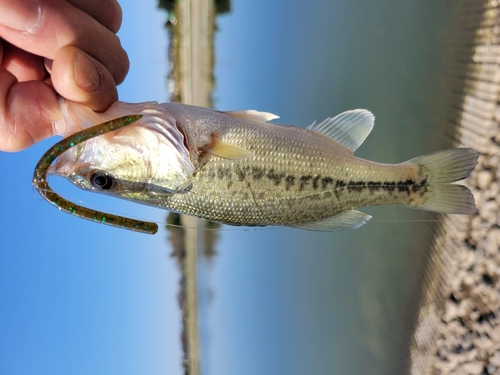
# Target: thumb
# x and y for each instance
(80, 78)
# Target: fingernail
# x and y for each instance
(87, 75)
(48, 64)
(22, 15)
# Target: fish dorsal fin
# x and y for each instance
(349, 128)
(350, 219)
(227, 150)
(252, 114)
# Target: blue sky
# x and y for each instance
(77, 298)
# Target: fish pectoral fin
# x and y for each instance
(227, 150)
(349, 128)
(252, 114)
(350, 219)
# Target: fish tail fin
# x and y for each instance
(439, 170)
(448, 199)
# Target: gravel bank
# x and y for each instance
(458, 330)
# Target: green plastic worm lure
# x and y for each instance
(40, 181)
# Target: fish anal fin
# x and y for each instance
(252, 114)
(349, 128)
(226, 150)
(350, 219)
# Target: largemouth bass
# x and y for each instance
(237, 168)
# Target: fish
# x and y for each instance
(238, 168)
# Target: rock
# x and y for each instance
(484, 179)
(471, 368)
(495, 336)
(493, 191)
(492, 369)
(489, 211)
(489, 245)
(495, 360)
(494, 161)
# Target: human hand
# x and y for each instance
(75, 41)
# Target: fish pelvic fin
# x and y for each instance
(350, 219)
(349, 128)
(252, 114)
(439, 170)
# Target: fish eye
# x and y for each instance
(101, 180)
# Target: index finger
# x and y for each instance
(107, 12)
(44, 27)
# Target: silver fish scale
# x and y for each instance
(294, 176)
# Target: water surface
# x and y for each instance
(295, 302)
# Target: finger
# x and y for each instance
(27, 112)
(50, 25)
(80, 78)
(20, 15)
(107, 12)
(23, 65)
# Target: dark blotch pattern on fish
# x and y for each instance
(303, 181)
(374, 186)
(224, 173)
(315, 182)
(290, 181)
(325, 181)
(407, 186)
(241, 172)
(319, 182)
(404, 186)
(339, 184)
(423, 184)
(257, 173)
(275, 177)
(389, 186)
(356, 185)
